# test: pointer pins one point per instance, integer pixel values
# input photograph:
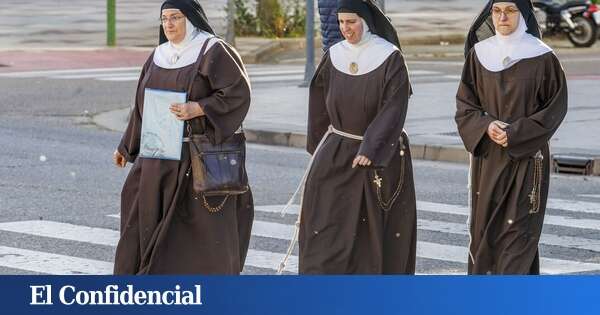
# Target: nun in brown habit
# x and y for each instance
(511, 99)
(167, 228)
(359, 211)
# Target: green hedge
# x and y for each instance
(272, 18)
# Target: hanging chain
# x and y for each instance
(212, 209)
(535, 195)
(387, 205)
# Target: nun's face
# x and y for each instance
(351, 27)
(506, 17)
(173, 22)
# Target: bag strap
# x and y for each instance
(195, 69)
(191, 83)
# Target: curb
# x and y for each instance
(448, 39)
(286, 139)
(278, 45)
(427, 152)
(115, 120)
(456, 154)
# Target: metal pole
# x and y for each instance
(230, 36)
(111, 23)
(309, 70)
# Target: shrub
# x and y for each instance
(272, 18)
(245, 21)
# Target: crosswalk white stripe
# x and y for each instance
(41, 262)
(463, 211)
(32, 74)
(574, 205)
(557, 204)
(114, 74)
(270, 260)
(450, 252)
(276, 79)
(442, 208)
(459, 254)
(282, 231)
(48, 263)
(60, 264)
(435, 62)
(132, 78)
(278, 72)
(85, 73)
(548, 219)
(95, 75)
(546, 239)
(64, 231)
(589, 196)
(272, 230)
(558, 220)
(423, 73)
(293, 209)
(273, 72)
(261, 258)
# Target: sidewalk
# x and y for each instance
(82, 23)
(278, 117)
(50, 58)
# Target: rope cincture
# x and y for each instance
(470, 203)
(300, 189)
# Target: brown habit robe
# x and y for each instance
(343, 229)
(509, 188)
(165, 228)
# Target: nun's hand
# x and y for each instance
(186, 111)
(496, 131)
(361, 160)
(119, 159)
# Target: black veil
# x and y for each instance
(483, 27)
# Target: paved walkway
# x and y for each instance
(82, 23)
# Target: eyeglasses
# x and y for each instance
(510, 11)
(174, 19)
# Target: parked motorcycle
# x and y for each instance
(578, 19)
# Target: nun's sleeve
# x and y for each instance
(318, 118)
(226, 107)
(527, 135)
(472, 121)
(380, 141)
(129, 146)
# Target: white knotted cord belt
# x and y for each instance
(470, 207)
(300, 190)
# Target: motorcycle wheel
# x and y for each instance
(585, 33)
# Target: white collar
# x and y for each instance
(501, 52)
(185, 53)
(368, 54)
